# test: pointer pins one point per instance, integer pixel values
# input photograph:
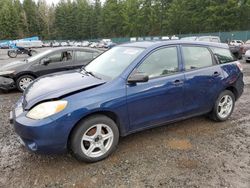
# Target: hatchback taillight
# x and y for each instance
(239, 65)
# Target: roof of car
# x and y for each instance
(148, 44)
(75, 48)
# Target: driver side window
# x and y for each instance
(160, 63)
(62, 56)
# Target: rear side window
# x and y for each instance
(223, 55)
(83, 56)
(160, 63)
(196, 57)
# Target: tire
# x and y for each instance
(22, 82)
(32, 52)
(86, 143)
(12, 53)
(225, 102)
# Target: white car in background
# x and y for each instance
(247, 56)
(55, 44)
(174, 37)
(29, 44)
(93, 45)
(78, 44)
(202, 38)
(236, 42)
(64, 44)
(165, 38)
(85, 43)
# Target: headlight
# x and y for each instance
(6, 72)
(46, 109)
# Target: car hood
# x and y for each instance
(54, 86)
(12, 65)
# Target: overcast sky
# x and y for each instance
(56, 1)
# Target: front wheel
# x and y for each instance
(224, 106)
(24, 81)
(12, 53)
(94, 138)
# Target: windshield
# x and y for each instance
(39, 55)
(113, 62)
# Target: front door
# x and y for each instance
(161, 98)
(58, 61)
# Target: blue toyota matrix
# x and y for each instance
(129, 88)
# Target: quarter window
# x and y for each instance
(196, 57)
(223, 55)
(160, 63)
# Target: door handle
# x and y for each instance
(178, 82)
(216, 74)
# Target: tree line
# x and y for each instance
(90, 19)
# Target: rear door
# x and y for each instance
(203, 79)
(161, 98)
(82, 58)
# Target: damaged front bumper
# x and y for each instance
(7, 83)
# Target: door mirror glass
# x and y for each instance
(138, 77)
(45, 61)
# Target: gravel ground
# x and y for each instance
(193, 153)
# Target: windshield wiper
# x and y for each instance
(89, 72)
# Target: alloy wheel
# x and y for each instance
(97, 140)
(225, 106)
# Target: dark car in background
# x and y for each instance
(49, 61)
(128, 88)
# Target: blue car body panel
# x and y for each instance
(134, 106)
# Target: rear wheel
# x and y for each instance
(224, 106)
(32, 52)
(94, 139)
(24, 81)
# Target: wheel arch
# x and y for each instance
(107, 113)
(234, 91)
(25, 73)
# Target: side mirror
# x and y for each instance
(45, 61)
(137, 77)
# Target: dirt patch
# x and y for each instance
(187, 163)
(183, 144)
